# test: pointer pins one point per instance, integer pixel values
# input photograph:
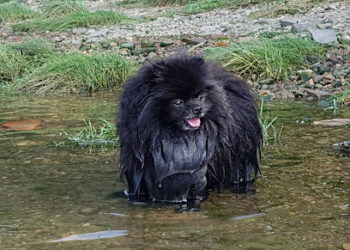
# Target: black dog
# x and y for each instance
(187, 126)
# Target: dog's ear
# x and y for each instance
(159, 68)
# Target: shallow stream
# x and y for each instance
(64, 198)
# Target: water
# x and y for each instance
(49, 193)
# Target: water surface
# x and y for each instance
(49, 193)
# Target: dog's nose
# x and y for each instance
(197, 110)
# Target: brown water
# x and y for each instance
(48, 193)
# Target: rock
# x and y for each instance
(333, 122)
(346, 246)
(287, 22)
(79, 31)
(166, 42)
(342, 71)
(301, 27)
(144, 51)
(318, 93)
(59, 39)
(97, 33)
(6, 31)
(22, 125)
(328, 76)
(152, 56)
(193, 41)
(147, 45)
(266, 81)
(305, 74)
(284, 94)
(130, 46)
(220, 44)
(317, 78)
(323, 36)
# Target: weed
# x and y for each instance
(266, 58)
(103, 136)
(72, 72)
(268, 124)
(13, 12)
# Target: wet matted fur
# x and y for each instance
(187, 126)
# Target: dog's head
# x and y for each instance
(183, 91)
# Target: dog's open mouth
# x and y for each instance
(194, 122)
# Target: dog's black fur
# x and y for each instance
(187, 126)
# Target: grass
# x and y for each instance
(268, 126)
(61, 8)
(266, 58)
(12, 64)
(92, 136)
(78, 72)
(19, 58)
(14, 12)
(78, 19)
(336, 101)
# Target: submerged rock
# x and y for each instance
(333, 122)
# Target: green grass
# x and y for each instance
(267, 58)
(14, 12)
(93, 136)
(78, 72)
(19, 58)
(78, 19)
(267, 123)
(60, 8)
(4, 1)
(12, 64)
(35, 48)
(336, 101)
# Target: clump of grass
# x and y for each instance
(92, 136)
(267, 123)
(19, 58)
(35, 48)
(12, 64)
(267, 58)
(4, 1)
(78, 19)
(61, 8)
(336, 101)
(14, 12)
(78, 72)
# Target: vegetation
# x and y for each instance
(266, 58)
(14, 12)
(60, 8)
(78, 19)
(103, 137)
(78, 72)
(35, 65)
(19, 58)
(12, 64)
(268, 126)
(336, 101)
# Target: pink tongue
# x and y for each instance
(195, 122)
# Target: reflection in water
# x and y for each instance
(94, 236)
(249, 216)
(51, 193)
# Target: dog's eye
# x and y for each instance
(178, 102)
(201, 98)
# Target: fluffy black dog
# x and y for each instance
(186, 127)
